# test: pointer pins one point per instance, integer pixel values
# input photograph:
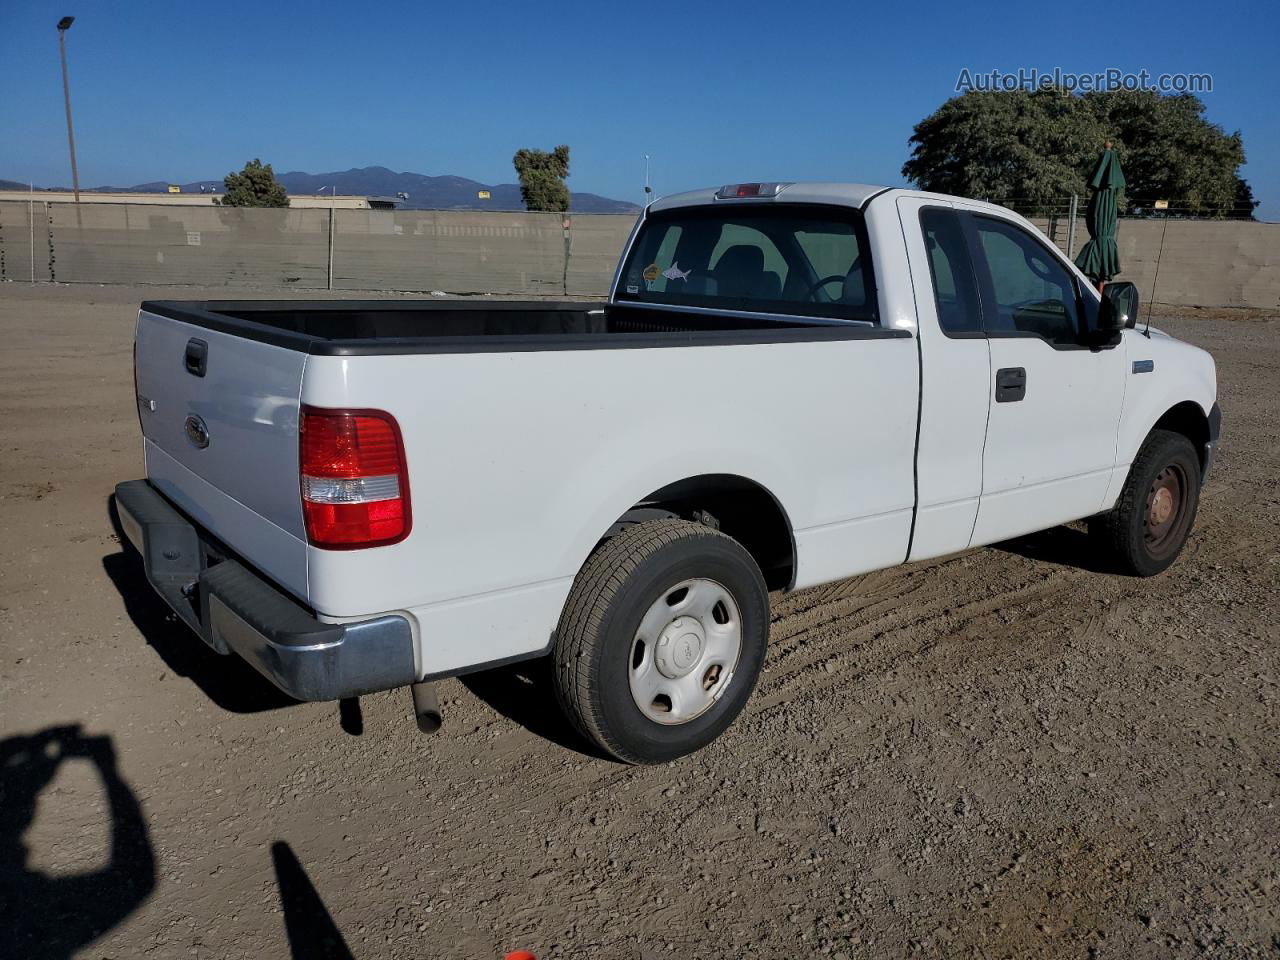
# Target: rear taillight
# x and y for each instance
(355, 486)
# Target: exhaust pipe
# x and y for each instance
(426, 706)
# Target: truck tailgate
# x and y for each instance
(219, 419)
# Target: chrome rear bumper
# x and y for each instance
(235, 610)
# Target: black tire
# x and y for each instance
(626, 575)
(1147, 529)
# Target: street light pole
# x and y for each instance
(63, 26)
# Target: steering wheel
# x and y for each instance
(811, 293)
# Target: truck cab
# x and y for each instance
(1029, 411)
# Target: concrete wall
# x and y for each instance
(1205, 263)
(456, 251)
(128, 243)
(321, 201)
(1208, 263)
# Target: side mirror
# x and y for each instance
(1119, 308)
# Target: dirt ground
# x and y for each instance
(997, 754)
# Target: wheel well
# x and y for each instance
(735, 506)
(1189, 420)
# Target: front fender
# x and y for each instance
(1179, 373)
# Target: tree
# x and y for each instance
(1032, 147)
(542, 177)
(1245, 204)
(254, 186)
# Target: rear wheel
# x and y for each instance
(661, 640)
(1157, 507)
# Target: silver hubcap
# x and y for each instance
(685, 651)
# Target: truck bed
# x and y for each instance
(354, 327)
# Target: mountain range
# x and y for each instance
(425, 193)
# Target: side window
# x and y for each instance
(954, 289)
(1032, 291)
(832, 252)
(830, 248)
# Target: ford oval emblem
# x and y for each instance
(196, 432)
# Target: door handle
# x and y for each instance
(1011, 384)
(197, 357)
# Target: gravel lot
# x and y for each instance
(997, 754)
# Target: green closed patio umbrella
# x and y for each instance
(1100, 259)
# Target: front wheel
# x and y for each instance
(1150, 523)
(661, 640)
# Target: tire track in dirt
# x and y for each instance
(860, 638)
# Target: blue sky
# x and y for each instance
(715, 92)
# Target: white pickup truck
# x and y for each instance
(790, 383)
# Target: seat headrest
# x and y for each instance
(740, 271)
(741, 258)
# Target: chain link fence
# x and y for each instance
(1180, 259)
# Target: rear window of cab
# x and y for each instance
(794, 261)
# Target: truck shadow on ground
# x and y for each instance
(524, 694)
(53, 915)
(226, 680)
(1064, 546)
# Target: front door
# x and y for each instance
(1055, 401)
